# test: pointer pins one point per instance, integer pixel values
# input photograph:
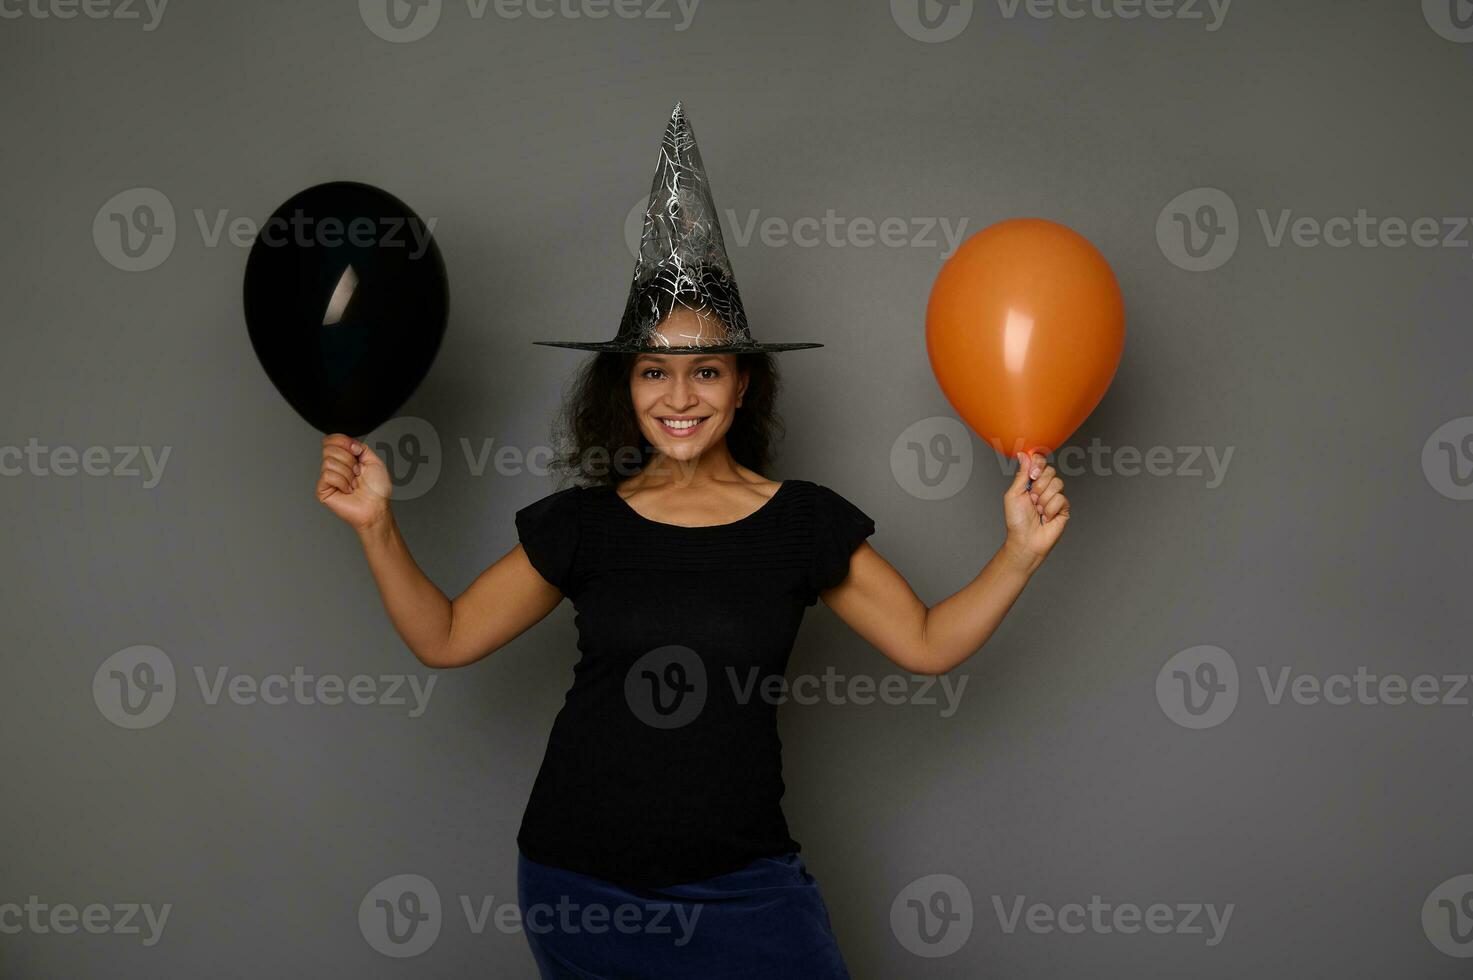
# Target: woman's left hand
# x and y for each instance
(1035, 516)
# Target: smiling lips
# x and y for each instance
(681, 426)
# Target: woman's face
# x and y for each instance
(685, 403)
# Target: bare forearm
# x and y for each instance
(420, 612)
(956, 627)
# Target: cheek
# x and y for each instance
(724, 398)
(642, 397)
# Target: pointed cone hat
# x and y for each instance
(682, 261)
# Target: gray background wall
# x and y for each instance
(1333, 542)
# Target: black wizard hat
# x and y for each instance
(682, 260)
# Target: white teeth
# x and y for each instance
(681, 424)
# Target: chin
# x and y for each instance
(681, 451)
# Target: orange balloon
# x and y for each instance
(1024, 330)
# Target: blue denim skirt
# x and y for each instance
(765, 920)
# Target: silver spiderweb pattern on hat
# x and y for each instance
(682, 256)
(682, 261)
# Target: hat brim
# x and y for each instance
(620, 347)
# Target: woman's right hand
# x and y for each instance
(354, 483)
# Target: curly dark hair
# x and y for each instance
(599, 439)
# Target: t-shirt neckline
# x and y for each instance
(624, 504)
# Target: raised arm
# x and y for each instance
(878, 603)
(502, 603)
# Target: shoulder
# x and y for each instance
(819, 493)
(826, 507)
(559, 504)
(565, 495)
(548, 529)
(838, 526)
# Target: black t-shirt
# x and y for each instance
(664, 763)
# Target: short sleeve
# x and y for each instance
(548, 531)
(839, 528)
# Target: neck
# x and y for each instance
(715, 465)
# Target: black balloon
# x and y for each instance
(346, 301)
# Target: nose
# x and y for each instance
(683, 396)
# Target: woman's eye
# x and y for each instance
(706, 373)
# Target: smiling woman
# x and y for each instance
(627, 408)
(690, 570)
